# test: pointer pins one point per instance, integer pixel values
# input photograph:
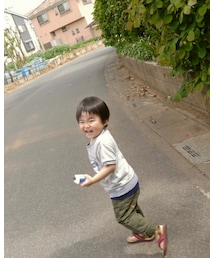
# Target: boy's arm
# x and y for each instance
(105, 171)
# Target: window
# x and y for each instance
(53, 33)
(64, 28)
(29, 45)
(42, 18)
(86, 1)
(22, 28)
(73, 33)
(62, 8)
(47, 45)
(77, 30)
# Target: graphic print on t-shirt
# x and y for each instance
(95, 166)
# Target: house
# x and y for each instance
(19, 25)
(64, 22)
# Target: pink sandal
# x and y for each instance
(137, 238)
(162, 233)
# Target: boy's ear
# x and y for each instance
(106, 122)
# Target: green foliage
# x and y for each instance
(140, 49)
(52, 52)
(175, 32)
(60, 50)
(34, 56)
(12, 47)
(108, 15)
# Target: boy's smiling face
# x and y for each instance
(91, 125)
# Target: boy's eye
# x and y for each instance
(91, 120)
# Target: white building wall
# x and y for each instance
(9, 23)
(33, 36)
(86, 10)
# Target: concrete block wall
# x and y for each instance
(156, 76)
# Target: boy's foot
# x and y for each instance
(137, 238)
(161, 236)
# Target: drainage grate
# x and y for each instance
(190, 151)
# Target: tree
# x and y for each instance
(13, 48)
(178, 31)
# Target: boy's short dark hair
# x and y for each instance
(93, 105)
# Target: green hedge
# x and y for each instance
(175, 33)
(60, 50)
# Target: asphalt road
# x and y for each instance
(48, 216)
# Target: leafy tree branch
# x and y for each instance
(174, 33)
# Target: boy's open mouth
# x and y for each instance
(88, 131)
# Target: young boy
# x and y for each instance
(114, 173)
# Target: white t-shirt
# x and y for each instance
(104, 151)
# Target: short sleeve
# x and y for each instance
(106, 153)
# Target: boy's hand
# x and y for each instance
(104, 172)
(88, 181)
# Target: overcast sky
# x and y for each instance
(21, 6)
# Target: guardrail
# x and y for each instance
(26, 72)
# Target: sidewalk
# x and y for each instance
(179, 128)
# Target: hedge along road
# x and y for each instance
(47, 215)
